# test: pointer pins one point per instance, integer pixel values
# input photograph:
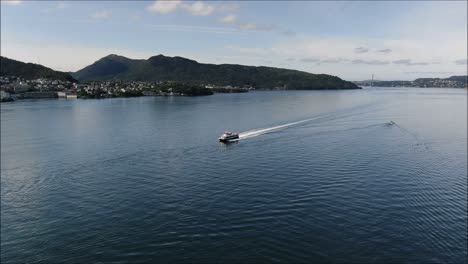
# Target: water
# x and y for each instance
(317, 176)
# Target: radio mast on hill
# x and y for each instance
(372, 81)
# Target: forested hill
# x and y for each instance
(29, 71)
(178, 69)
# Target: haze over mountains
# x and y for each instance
(163, 68)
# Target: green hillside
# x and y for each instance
(178, 69)
(29, 71)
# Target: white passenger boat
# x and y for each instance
(228, 136)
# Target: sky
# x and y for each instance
(394, 40)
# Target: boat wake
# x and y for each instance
(258, 132)
(344, 114)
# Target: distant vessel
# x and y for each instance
(228, 136)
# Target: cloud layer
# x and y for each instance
(200, 8)
(431, 37)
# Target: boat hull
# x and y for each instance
(229, 139)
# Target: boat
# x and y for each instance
(228, 137)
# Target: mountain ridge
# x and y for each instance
(180, 69)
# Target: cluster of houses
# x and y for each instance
(451, 82)
(115, 88)
(19, 85)
(441, 83)
(13, 88)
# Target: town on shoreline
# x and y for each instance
(451, 82)
(16, 88)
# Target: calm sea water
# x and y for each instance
(145, 180)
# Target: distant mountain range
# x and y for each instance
(29, 71)
(451, 82)
(178, 69)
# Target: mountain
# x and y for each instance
(462, 78)
(29, 71)
(178, 69)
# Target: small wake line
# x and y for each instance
(419, 142)
(320, 119)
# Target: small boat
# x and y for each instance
(228, 136)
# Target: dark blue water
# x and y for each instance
(145, 180)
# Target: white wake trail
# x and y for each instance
(321, 118)
(258, 132)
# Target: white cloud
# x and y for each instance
(11, 2)
(104, 14)
(163, 7)
(229, 19)
(196, 9)
(199, 9)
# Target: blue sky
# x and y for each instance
(350, 39)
